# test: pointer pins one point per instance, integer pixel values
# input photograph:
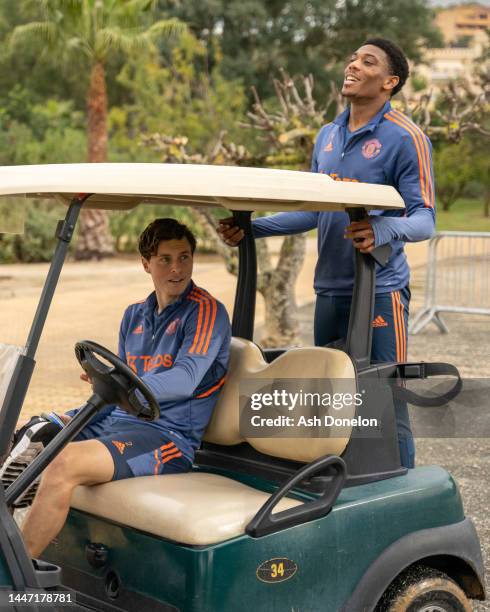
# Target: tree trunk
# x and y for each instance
(278, 290)
(95, 240)
(205, 219)
(486, 203)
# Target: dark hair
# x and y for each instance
(163, 229)
(397, 61)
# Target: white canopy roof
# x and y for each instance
(123, 186)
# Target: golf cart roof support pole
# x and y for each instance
(244, 307)
(19, 383)
(360, 331)
(64, 233)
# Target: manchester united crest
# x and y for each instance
(172, 327)
(371, 148)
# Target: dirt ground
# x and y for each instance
(91, 299)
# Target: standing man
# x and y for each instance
(370, 142)
(178, 341)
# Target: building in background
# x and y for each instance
(465, 31)
(464, 24)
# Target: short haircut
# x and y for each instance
(163, 229)
(397, 62)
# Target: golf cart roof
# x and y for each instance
(124, 186)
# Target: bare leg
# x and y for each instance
(87, 462)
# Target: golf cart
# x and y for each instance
(306, 523)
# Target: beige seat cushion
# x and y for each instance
(248, 369)
(193, 508)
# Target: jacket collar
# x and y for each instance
(151, 303)
(343, 119)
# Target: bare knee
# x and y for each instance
(59, 476)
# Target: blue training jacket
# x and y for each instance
(389, 150)
(182, 355)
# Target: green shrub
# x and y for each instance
(38, 241)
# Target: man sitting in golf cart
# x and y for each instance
(178, 342)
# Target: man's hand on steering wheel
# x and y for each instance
(116, 383)
(85, 377)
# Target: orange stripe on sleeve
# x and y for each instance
(207, 306)
(420, 156)
(207, 310)
(425, 152)
(418, 137)
(424, 148)
(208, 299)
(209, 391)
(391, 117)
(199, 323)
(211, 325)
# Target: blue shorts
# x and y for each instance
(136, 449)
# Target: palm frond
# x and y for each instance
(33, 32)
(67, 8)
(132, 8)
(76, 44)
(60, 4)
(117, 39)
(135, 40)
(166, 28)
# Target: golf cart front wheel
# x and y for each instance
(424, 589)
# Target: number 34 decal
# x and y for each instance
(276, 570)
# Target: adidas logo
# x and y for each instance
(329, 147)
(138, 330)
(121, 446)
(379, 322)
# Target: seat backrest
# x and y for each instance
(248, 364)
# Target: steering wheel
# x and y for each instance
(117, 384)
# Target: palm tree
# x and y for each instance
(93, 31)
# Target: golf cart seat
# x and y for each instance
(200, 508)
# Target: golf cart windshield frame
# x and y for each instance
(19, 383)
